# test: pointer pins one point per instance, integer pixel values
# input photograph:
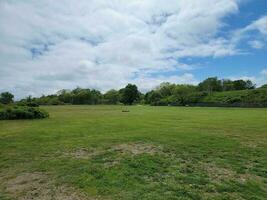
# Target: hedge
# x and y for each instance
(22, 112)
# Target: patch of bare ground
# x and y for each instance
(254, 144)
(215, 195)
(219, 174)
(83, 153)
(29, 186)
(121, 150)
(137, 149)
(126, 148)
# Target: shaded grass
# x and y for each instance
(207, 153)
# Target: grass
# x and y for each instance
(147, 153)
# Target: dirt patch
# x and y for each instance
(218, 173)
(120, 150)
(137, 149)
(254, 143)
(84, 153)
(28, 186)
(127, 148)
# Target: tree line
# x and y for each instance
(165, 94)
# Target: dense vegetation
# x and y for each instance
(170, 94)
(210, 92)
(26, 110)
(21, 112)
(6, 98)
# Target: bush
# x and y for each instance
(243, 98)
(21, 112)
(29, 104)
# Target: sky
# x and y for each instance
(48, 45)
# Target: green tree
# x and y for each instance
(250, 85)
(239, 84)
(227, 85)
(129, 94)
(81, 96)
(6, 98)
(183, 93)
(153, 97)
(210, 85)
(65, 96)
(166, 89)
(243, 85)
(96, 97)
(111, 97)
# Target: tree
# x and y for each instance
(210, 85)
(6, 98)
(250, 85)
(96, 97)
(166, 89)
(65, 96)
(81, 96)
(239, 84)
(182, 93)
(153, 97)
(129, 94)
(227, 85)
(243, 85)
(111, 97)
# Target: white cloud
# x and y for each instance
(50, 45)
(256, 44)
(260, 25)
(264, 72)
(255, 33)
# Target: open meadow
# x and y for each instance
(157, 153)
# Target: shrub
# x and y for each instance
(29, 104)
(22, 112)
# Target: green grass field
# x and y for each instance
(100, 152)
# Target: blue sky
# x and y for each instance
(240, 65)
(49, 45)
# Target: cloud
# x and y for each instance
(255, 32)
(256, 44)
(49, 45)
(259, 25)
(264, 72)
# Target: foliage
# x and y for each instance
(29, 101)
(111, 97)
(210, 85)
(129, 94)
(6, 98)
(213, 84)
(228, 85)
(210, 91)
(22, 112)
(245, 97)
(171, 94)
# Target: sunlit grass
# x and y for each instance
(147, 153)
